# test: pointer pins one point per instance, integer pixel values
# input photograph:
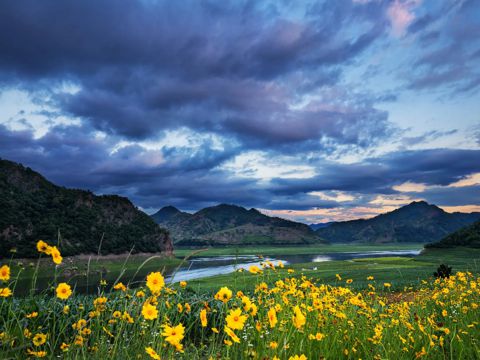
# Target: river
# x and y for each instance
(205, 266)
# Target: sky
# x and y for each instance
(314, 111)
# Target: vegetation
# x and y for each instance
(443, 271)
(285, 316)
(224, 224)
(468, 236)
(33, 208)
(417, 222)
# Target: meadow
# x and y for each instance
(383, 308)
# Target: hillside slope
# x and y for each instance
(468, 236)
(229, 224)
(32, 208)
(416, 222)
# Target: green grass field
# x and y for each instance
(401, 272)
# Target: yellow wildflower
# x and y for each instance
(149, 311)
(224, 294)
(5, 273)
(39, 339)
(63, 291)
(152, 353)
(235, 320)
(203, 317)
(155, 282)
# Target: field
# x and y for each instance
(382, 308)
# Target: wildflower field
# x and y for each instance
(287, 316)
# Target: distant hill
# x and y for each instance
(230, 224)
(170, 214)
(320, 225)
(468, 236)
(416, 222)
(32, 208)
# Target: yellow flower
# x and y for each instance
(173, 335)
(56, 256)
(127, 317)
(152, 353)
(5, 273)
(140, 294)
(224, 294)
(64, 347)
(79, 340)
(203, 317)
(318, 336)
(232, 334)
(63, 291)
(183, 284)
(43, 247)
(255, 269)
(235, 320)
(39, 339)
(120, 286)
(253, 309)
(117, 314)
(272, 317)
(349, 281)
(370, 278)
(31, 315)
(155, 282)
(99, 303)
(444, 312)
(5, 292)
(298, 318)
(149, 311)
(215, 330)
(387, 285)
(37, 354)
(273, 345)
(339, 278)
(297, 357)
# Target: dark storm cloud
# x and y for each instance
(192, 178)
(378, 175)
(234, 68)
(452, 196)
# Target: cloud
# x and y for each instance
(401, 14)
(141, 68)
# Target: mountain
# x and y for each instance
(169, 213)
(321, 225)
(230, 224)
(416, 222)
(32, 208)
(468, 236)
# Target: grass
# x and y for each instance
(85, 272)
(304, 312)
(400, 271)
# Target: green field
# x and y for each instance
(399, 271)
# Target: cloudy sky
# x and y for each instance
(312, 110)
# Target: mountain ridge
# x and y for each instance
(468, 236)
(33, 208)
(225, 224)
(415, 222)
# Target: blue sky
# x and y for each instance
(311, 110)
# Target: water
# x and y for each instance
(201, 267)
